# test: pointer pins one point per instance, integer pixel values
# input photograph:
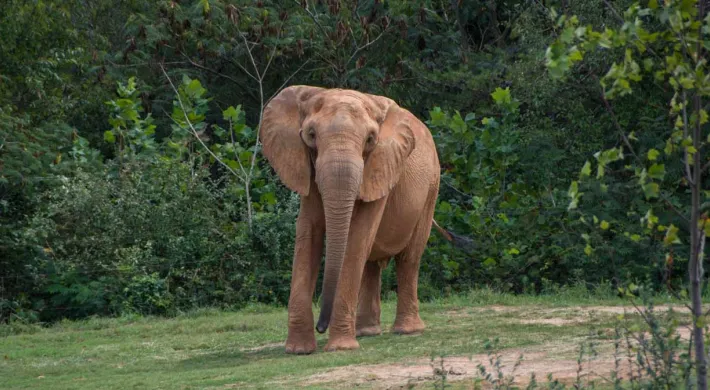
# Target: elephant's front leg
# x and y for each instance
(365, 222)
(310, 230)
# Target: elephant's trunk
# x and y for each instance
(338, 176)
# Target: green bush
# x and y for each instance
(154, 241)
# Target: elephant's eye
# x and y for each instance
(309, 137)
(371, 139)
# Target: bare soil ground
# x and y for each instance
(559, 358)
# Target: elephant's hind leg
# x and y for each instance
(407, 320)
(368, 308)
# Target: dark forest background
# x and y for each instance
(111, 202)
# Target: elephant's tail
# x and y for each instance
(458, 241)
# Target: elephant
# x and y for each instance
(367, 172)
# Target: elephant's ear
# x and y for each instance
(386, 162)
(282, 144)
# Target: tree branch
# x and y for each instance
(260, 80)
(192, 128)
(214, 72)
(286, 81)
(618, 127)
(359, 49)
(313, 17)
(240, 66)
(631, 149)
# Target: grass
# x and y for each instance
(211, 348)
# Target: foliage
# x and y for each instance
(150, 232)
(523, 240)
(110, 202)
(647, 354)
(662, 43)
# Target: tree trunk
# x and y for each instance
(697, 235)
(697, 240)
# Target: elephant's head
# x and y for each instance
(353, 145)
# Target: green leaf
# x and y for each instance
(194, 89)
(648, 64)
(631, 288)
(458, 125)
(567, 35)
(600, 171)
(669, 146)
(268, 198)
(437, 116)
(657, 171)
(231, 114)
(671, 236)
(575, 55)
(445, 207)
(653, 154)
(588, 250)
(706, 227)
(586, 170)
(489, 262)
(573, 193)
(245, 156)
(651, 190)
(502, 96)
(650, 219)
(232, 164)
(109, 136)
(205, 6)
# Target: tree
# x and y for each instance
(663, 43)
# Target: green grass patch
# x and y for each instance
(212, 348)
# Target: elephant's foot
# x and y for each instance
(408, 325)
(373, 330)
(341, 344)
(303, 345)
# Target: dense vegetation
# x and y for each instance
(114, 117)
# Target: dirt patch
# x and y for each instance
(263, 347)
(575, 310)
(621, 309)
(551, 321)
(557, 316)
(558, 359)
(541, 361)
